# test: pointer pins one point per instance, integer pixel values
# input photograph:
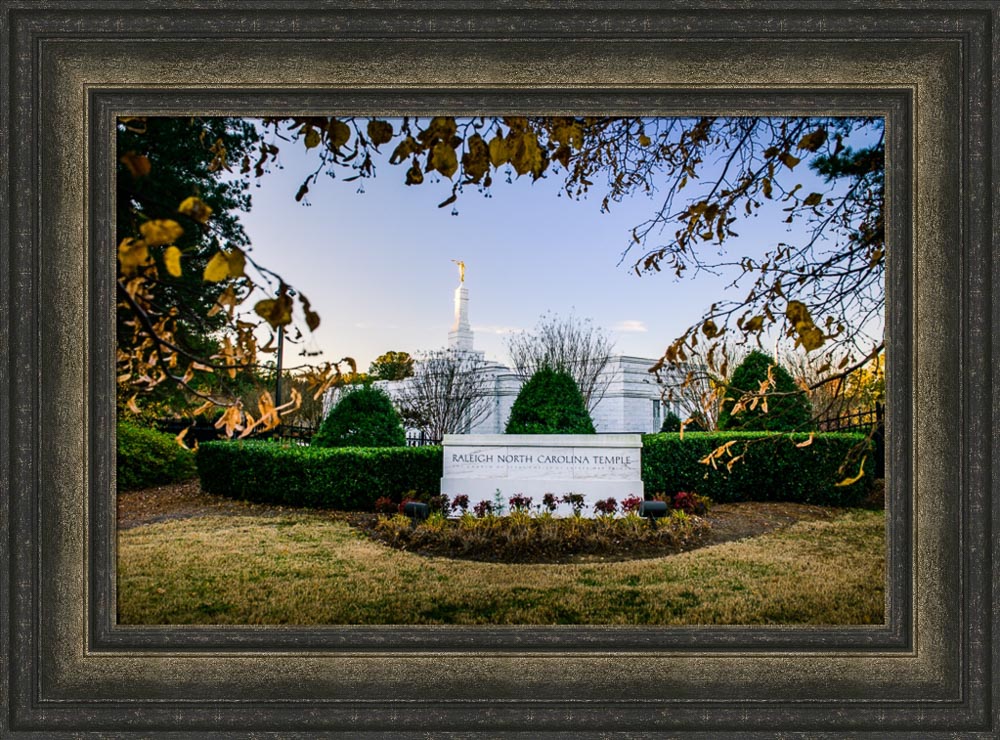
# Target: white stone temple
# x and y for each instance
(632, 402)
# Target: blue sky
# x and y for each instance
(377, 266)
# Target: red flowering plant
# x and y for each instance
(575, 500)
(550, 502)
(385, 505)
(440, 503)
(607, 507)
(519, 502)
(405, 501)
(690, 503)
(483, 508)
(460, 503)
(630, 504)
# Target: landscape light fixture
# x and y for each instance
(416, 510)
(653, 510)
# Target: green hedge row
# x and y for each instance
(146, 457)
(352, 478)
(347, 478)
(772, 467)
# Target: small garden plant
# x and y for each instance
(530, 532)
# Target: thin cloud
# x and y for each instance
(502, 330)
(630, 326)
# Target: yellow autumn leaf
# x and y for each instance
(568, 132)
(499, 151)
(414, 176)
(476, 160)
(789, 160)
(339, 133)
(312, 138)
(172, 259)
(797, 312)
(404, 149)
(161, 231)
(813, 141)
(379, 132)
(644, 140)
(856, 478)
(217, 268)
(237, 261)
(526, 155)
(443, 159)
(132, 254)
(811, 338)
(276, 311)
(196, 208)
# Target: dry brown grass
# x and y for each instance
(308, 569)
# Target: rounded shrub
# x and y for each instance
(146, 458)
(671, 423)
(788, 407)
(550, 403)
(363, 417)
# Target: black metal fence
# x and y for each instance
(205, 432)
(867, 421)
(420, 439)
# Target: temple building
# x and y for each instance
(632, 401)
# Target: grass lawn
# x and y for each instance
(305, 568)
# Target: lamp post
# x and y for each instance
(277, 382)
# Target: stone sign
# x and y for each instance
(597, 466)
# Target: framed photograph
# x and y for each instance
(73, 72)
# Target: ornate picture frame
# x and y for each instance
(69, 69)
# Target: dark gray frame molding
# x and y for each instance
(69, 68)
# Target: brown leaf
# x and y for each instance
(476, 159)
(137, 164)
(379, 132)
(275, 311)
(404, 149)
(443, 159)
(338, 132)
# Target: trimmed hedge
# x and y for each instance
(146, 457)
(772, 468)
(346, 478)
(352, 478)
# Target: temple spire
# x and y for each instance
(460, 336)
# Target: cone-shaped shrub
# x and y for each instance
(363, 417)
(550, 403)
(671, 423)
(788, 407)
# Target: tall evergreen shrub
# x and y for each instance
(788, 407)
(363, 417)
(550, 403)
